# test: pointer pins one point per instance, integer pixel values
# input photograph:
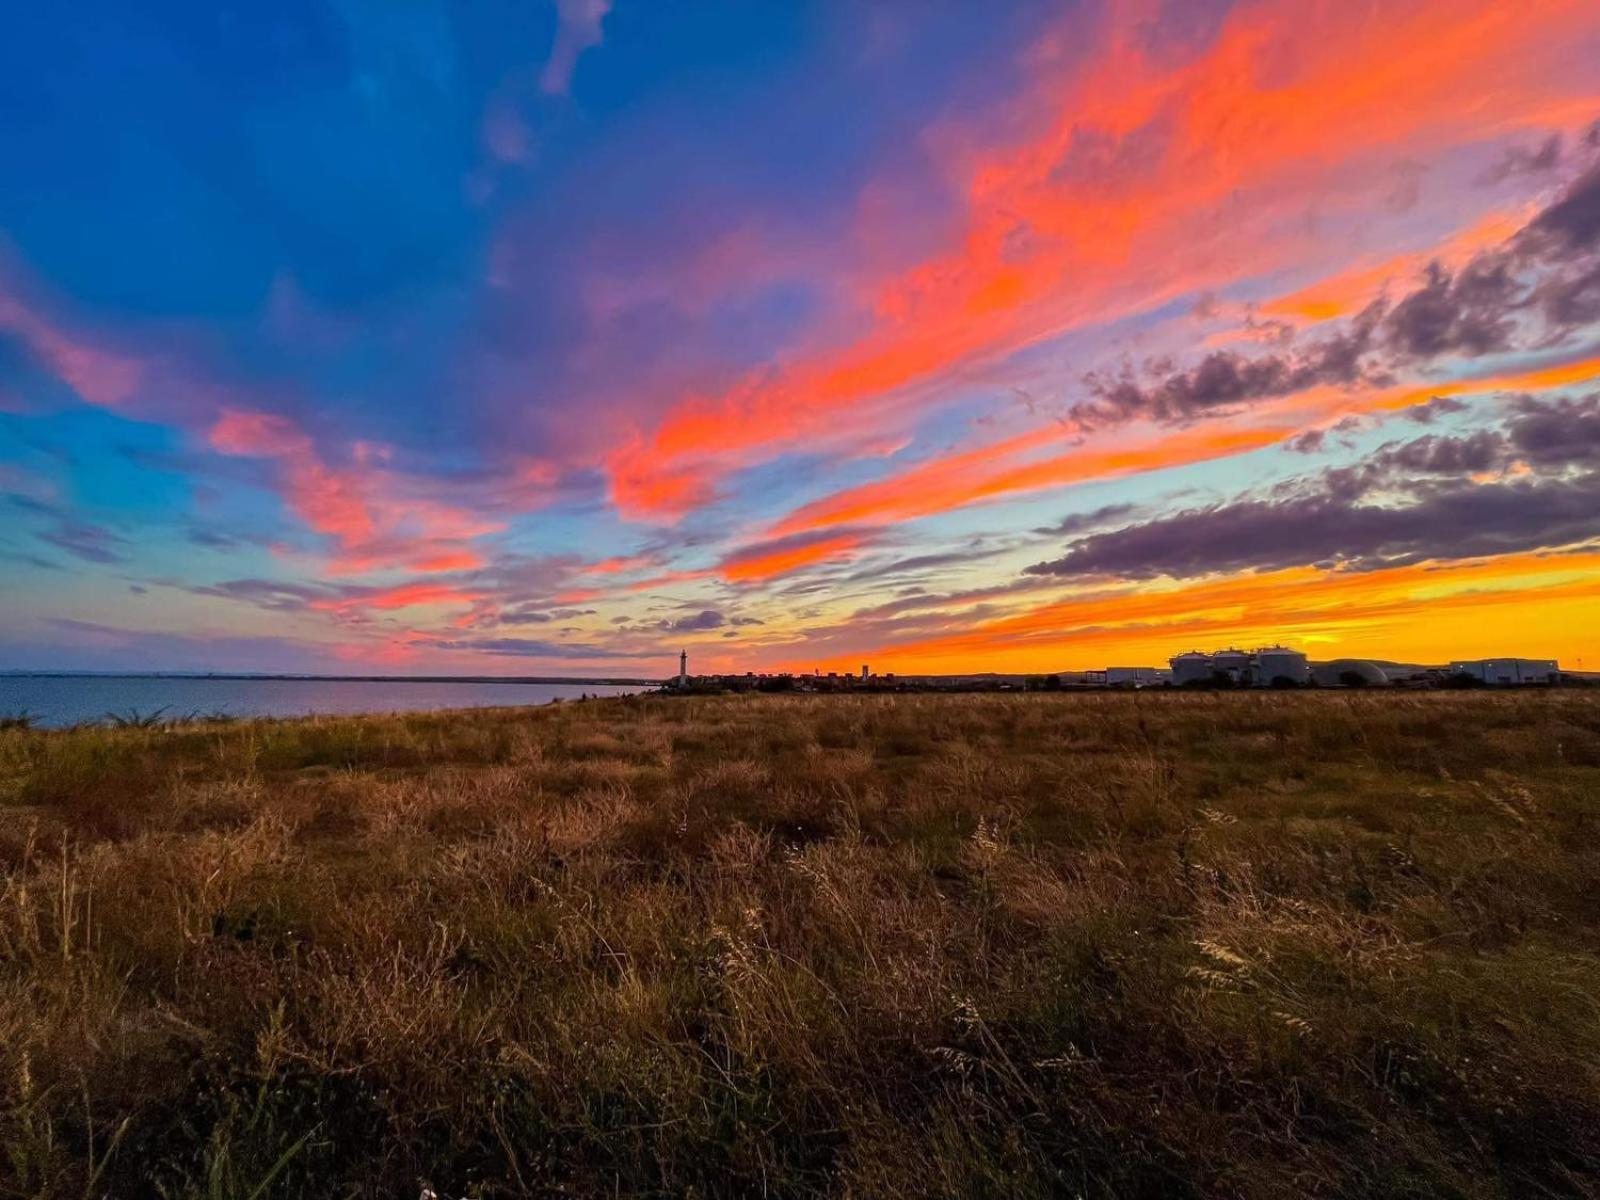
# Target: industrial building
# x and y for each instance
(1266, 667)
(1508, 672)
(1137, 676)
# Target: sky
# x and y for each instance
(558, 337)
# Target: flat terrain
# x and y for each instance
(1340, 944)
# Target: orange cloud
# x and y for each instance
(991, 473)
(1144, 182)
(1558, 375)
(618, 565)
(406, 595)
(768, 560)
(453, 560)
(1517, 604)
(1001, 470)
(1350, 291)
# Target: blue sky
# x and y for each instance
(518, 337)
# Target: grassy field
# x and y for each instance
(1333, 944)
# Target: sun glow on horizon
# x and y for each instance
(1021, 339)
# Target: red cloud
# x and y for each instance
(767, 560)
(363, 507)
(1141, 182)
(405, 595)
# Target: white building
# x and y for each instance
(1509, 672)
(1247, 668)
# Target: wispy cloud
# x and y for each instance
(578, 28)
(1103, 210)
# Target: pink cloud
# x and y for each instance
(406, 595)
(374, 515)
(99, 376)
(1137, 181)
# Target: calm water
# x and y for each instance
(69, 701)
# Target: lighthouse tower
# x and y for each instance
(683, 668)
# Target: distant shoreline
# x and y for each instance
(575, 681)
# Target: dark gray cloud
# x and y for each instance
(31, 560)
(211, 539)
(1225, 379)
(1571, 300)
(266, 593)
(1308, 442)
(1420, 463)
(1075, 523)
(91, 543)
(708, 618)
(87, 542)
(921, 600)
(916, 563)
(1436, 455)
(1468, 312)
(28, 504)
(1573, 221)
(1526, 160)
(1533, 292)
(1327, 531)
(1409, 501)
(1439, 406)
(531, 615)
(1554, 432)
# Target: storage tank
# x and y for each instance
(1235, 664)
(1191, 667)
(1279, 662)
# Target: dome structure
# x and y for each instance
(1340, 671)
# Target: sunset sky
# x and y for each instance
(554, 338)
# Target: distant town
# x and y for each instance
(1270, 667)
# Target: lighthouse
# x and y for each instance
(683, 668)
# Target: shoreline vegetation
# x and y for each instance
(573, 680)
(1338, 943)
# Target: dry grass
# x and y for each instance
(1165, 945)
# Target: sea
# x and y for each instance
(54, 701)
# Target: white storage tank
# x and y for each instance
(1191, 667)
(1279, 662)
(1235, 664)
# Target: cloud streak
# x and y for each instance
(578, 28)
(1100, 210)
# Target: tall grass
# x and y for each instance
(1164, 945)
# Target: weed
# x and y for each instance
(1031, 945)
